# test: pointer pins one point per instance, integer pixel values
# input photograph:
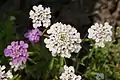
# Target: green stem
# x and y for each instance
(34, 46)
(83, 40)
(15, 77)
(51, 64)
(77, 66)
(77, 62)
(65, 61)
(45, 35)
(91, 53)
(44, 31)
(32, 61)
(61, 61)
(50, 68)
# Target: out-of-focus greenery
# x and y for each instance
(103, 60)
(7, 34)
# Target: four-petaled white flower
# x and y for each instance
(69, 74)
(40, 16)
(100, 33)
(5, 75)
(63, 40)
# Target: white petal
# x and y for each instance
(3, 67)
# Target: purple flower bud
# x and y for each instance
(33, 35)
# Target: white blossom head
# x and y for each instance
(5, 75)
(63, 40)
(40, 16)
(69, 74)
(100, 33)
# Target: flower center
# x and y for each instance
(63, 37)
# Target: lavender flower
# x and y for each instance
(18, 52)
(33, 35)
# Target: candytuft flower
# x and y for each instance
(33, 35)
(18, 52)
(100, 33)
(69, 74)
(40, 16)
(63, 40)
(5, 75)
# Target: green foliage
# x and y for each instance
(103, 60)
(7, 34)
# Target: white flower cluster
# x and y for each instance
(17, 66)
(40, 16)
(99, 76)
(100, 33)
(5, 75)
(63, 40)
(69, 74)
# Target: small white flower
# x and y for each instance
(63, 40)
(99, 76)
(17, 66)
(5, 75)
(9, 74)
(100, 33)
(69, 69)
(78, 77)
(40, 16)
(69, 74)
